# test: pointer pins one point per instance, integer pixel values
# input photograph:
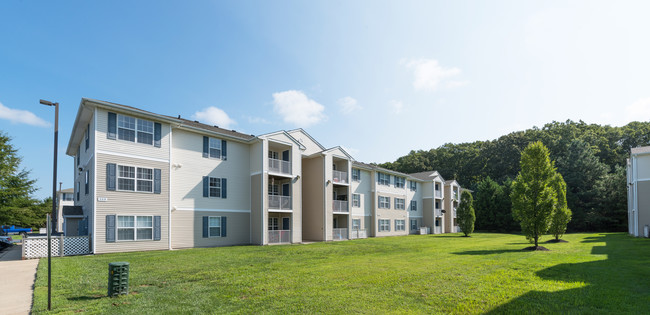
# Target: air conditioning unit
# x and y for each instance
(646, 231)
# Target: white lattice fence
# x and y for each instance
(36, 246)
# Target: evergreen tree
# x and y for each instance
(465, 213)
(562, 214)
(487, 206)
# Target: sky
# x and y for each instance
(379, 78)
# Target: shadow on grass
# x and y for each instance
(86, 298)
(488, 252)
(615, 285)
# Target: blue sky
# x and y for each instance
(379, 78)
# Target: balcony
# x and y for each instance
(358, 234)
(279, 202)
(438, 194)
(279, 236)
(438, 212)
(339, 177)
(340, 205)
(340, 234)
(279, 166)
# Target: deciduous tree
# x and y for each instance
(465, 213)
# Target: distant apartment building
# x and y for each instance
(145, 181)
(638, 191)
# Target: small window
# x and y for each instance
(399, 204)
(437, 186)
(215, 148)
(131, 178)
(134, 228)
(78, 190)
(383, 179)
(214, 226)
(356, 200)
(413, 186)
(87, 137)
(414, 205)
(274, 155)
(215, 187)
(400, 225)
(384, 202)
(134, 129)
(356, 174)
(384, 225)
(356, 224)
(399, 182)
(437, 204)
(273, 224)
(414, 224)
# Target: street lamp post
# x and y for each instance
(55, 218)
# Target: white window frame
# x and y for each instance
(216, 188)
(356, 224)
(413, 185)
(414, 224)
(400, 204)
(214, 146)
(384, 202)
(414, 205)
(383, 179)
(400, 225)
(210, 226)
(384, 225)
(274, 155)
(356, 200)
(140, 126)
(399, 182)
(274, 224)
(137, 173)
(356, 175)
(135, 228)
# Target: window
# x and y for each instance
(413, 186)
(400, 225)
(399, 204)
(399, 182)
(384, 202)
(78, 190)
(215, 148)
(356, 224)
(414, 224)
(383, 179)
(134, 228)
(274, 155)
(86, 182)
(131, 178)
(437, 186)
(215, 187)
(356, 200)
(67, 197)
(356, 174)
(274, 189)
(134, 129)
(87, 137)
(384, 225)
(414, 205)
(437, 204)
(273, 224)
(214, 226)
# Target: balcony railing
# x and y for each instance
(438, 194)
(279, 166)
(438, 212)
(455, 195)
(340, 234)
(354, 234)
(279, 236)
(279, 202)
(340, 177)
(340, 205)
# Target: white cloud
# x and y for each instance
(348, 105)
(214, 116)
(429, 74)
(296, 108)
(19, 116)
(638, 111)
(397, 106)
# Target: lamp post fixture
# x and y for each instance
(56, 147)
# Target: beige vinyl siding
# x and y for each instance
(187, 189)
(364, 189)
(130, 203)
(311, 147)
(392, 215)
(187, 229)
(128, 147)
(312, 206)
(428, 213)
(643, 168)
(256, 157)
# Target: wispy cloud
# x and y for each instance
(214, 116)
(19, 116)
(296, 108)
(430, 75)
(348, 105)
(396, 106)
(257, 120)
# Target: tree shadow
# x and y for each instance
(488, 252)
(617, 284)
(86, 298)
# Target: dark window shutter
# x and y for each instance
(285, 155)
(78, 157)
(156, 180)
(206, 189)
(112, 126)
(223, 226)
(378, 201)
(156, 228)
(157, 134)
(206, 144)
(110, 176)
(205, 227)
(87, 137)
(224, 186)
(110, 228)
(224, 150)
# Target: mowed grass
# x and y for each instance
(487, 273)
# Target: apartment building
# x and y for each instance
(145, 181)
(638, 192)
(64, 198)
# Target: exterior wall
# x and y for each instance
(311, 147)
(364, 188)
(644, 205)
(187, 229)
(428, 216)
(417, 197)
(313, 180)
(391, 214)
(130, 203)
(639, 191)
(257, 193)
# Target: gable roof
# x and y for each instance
(427, 176)
(308, 136)
(342, 150)
(292, 138)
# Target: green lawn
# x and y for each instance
(593, 273)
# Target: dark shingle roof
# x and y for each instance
(72, 210)
(423, 175)
(223, 131)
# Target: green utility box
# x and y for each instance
(118, 278)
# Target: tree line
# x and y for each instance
(590, 157)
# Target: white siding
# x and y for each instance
(364, 189)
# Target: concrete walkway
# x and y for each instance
(16, 281)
